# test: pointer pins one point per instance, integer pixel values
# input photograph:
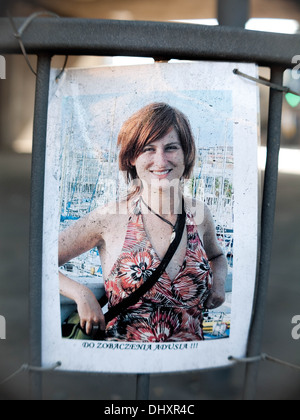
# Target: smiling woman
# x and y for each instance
(157, 151)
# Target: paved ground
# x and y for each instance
(275, 382)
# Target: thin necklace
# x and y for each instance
(163, 219)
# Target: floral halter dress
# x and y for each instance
(172, 310)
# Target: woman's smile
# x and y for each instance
(161, 173)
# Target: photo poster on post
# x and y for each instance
(87, 110)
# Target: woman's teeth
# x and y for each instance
(160, 172)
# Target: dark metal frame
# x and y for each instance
(69, 36)
(46, 37)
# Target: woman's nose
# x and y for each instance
(160, 159)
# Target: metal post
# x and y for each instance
(142, 387)
(267, 226)
(36, 220)
(233, 13)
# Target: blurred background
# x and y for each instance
(16, 120)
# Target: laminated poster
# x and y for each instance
(83, 181)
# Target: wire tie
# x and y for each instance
(266, 82)
(28, 368)
(263, 357)
(19, 32)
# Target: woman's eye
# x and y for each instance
(167, 149)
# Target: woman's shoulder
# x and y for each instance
(198, 210)
(112, 211)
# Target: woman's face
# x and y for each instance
(161, 161)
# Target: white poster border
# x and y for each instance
(116, 357)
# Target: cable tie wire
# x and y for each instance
(266, 82)
(19, 32)
(28, 368)
(263, 357)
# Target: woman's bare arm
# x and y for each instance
(218, 262)
(79, 238)
(89, 310)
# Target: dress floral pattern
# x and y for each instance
(172, 310)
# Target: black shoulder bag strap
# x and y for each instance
(150, 282)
